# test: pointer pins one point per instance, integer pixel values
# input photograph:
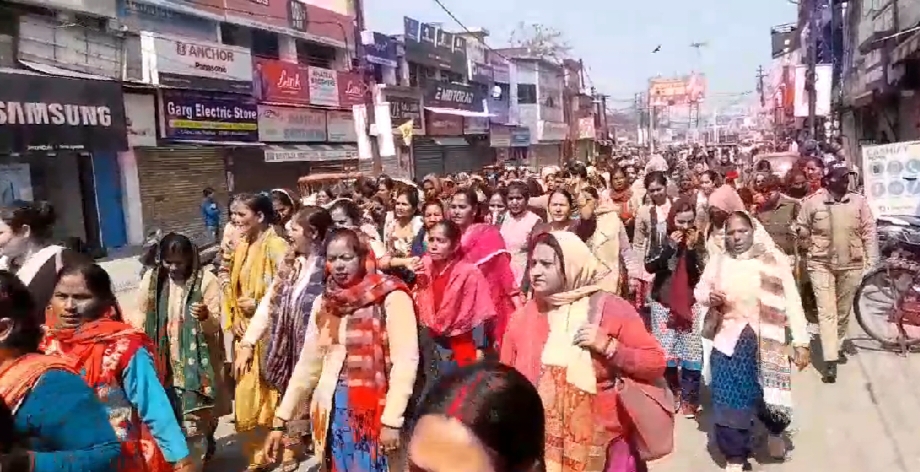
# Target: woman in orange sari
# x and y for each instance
(116, 360)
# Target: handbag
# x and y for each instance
(647, 409)
(712, 320)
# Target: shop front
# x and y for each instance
(547, 151)
(585, 140)
(406, 119)
(447, 106)
(510, 144)
(206, 118)
(303, 122)
(58, 139)
(201, 133)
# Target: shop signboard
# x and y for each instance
(552, 131)
(520, 137)
(283, 82)
(379, 48)
(324, 88)
(440, 124)
(188, 63)
(351, 89)
(892, 176)
(340, 127)
(188, 115)
(499, 136)
(429, 45)
(50, 113)
(291, 125)
(476, 125)
(481, 73)
(403, 109)
(151, 15)
(456, 96)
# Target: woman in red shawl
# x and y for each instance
(677, 263)
(483, 246)
(117, 361)
(453, 302)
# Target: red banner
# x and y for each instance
(351, 89)
(277, 81)
(438, 124)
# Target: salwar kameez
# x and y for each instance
(684, 351)
(347, 452)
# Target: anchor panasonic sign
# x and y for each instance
(195, 64)
(47, 113)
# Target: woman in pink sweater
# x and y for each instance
(567, 341)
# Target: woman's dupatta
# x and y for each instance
(466, 301)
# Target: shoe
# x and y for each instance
(689, 411)
(830, 373)
(776, 447)
(734, 467)
(842, 357)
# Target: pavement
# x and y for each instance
(868, 421)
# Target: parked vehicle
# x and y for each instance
(887, 302)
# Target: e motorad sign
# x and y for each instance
(48, 113)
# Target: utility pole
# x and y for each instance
(368, 76)
(812, 66)
(760, 76)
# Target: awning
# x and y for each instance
(904, 50)
(459, 112)
(53, 70)
(310, 152)
(451, 141)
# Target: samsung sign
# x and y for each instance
(45, 113)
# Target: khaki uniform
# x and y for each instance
(841, 245)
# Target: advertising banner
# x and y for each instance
(678, 91)
(277, 81)
(520, 136)
(351, 89)
(291, 125)
(457, 96)
(324, 89)
(403, 109)
(891, 173)
(49, 113)
(208, 116)
(340, 127)
(180, 62)
(440, 124)
(141, 119)
(431, 46)
(379, 48)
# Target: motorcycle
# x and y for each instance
(887, 301)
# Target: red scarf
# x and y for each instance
(680, 296)
(366, 342)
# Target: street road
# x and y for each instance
(868, 421)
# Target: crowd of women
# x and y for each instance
(508, 322)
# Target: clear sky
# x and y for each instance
(616, 38)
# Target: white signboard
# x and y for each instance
(291, 125)
(141, 114)
(340, 127)
(182, 62)
(324, 88)
(891, 173)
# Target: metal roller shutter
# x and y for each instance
(544, 155)
(171, 181)
(252, 174)
(459, 159)
(429, 157)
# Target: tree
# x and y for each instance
(544, 42)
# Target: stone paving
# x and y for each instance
(868, 421)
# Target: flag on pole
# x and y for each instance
(406, 130)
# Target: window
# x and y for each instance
(527, 93)
(235, 35)
(316, 55)
(9, 22)
(265, 44)
(451, 77)
(419, 74)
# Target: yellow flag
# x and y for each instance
(406, 130)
